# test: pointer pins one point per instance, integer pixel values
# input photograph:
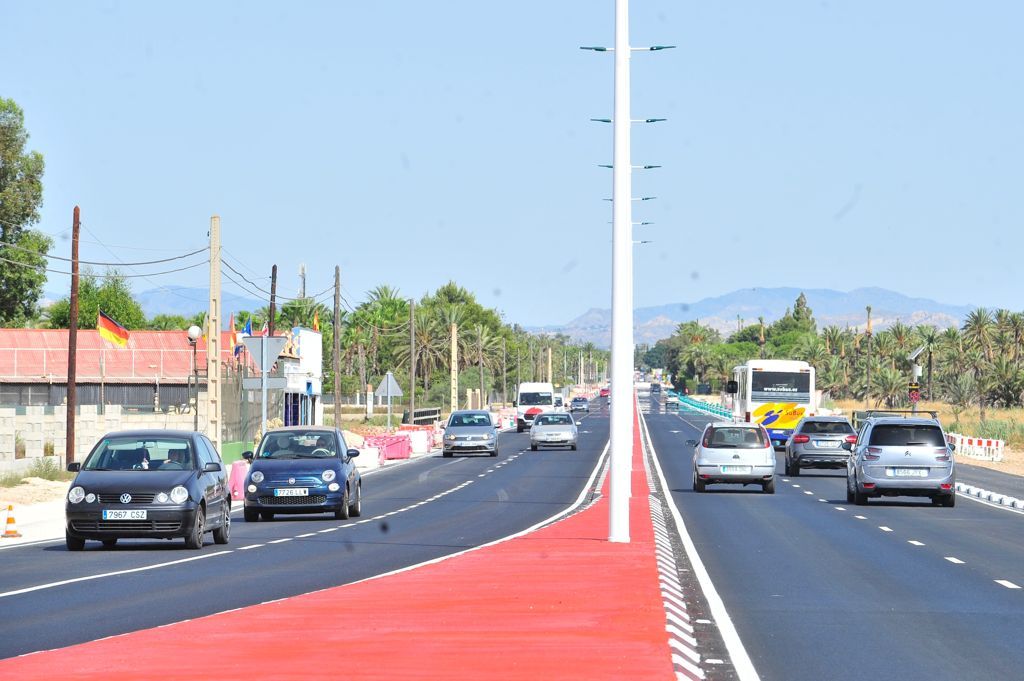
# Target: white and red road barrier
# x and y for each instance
(390, 446)
(236, 482)
(983, 448)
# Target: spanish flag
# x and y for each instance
(111, 330)
(316, 320)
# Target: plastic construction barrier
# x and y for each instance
(390, 446)
(236, 481)
(986, 449)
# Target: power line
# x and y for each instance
(41, 268)
(106, 264)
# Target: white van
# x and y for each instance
(533, 399)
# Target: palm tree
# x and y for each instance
(890, 387)
(978, 331)
(929, 337)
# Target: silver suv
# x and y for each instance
(896, 456)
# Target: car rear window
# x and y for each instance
(735, 438)
(827, 428)
(893, 435)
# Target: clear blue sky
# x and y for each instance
(813, 144)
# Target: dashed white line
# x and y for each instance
(1008, 584)
(303, 536)
(883, 528)
(954, 560)
(807, 491)
(280, 541)
(915, 542)
(840, 508)
(860, 517)
(250, 546)
(796, 486)
(825, 500)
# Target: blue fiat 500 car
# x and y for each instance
(302, 469)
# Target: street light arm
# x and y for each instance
(653, 48)
(597, 48)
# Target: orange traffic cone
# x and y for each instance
(10, 531)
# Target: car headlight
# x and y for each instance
(252, 488)
(162, 498)
(76, 495)
(90, 497)
(489, 436)
(328, 475)
(257, 476)
(179, 495)
(334, 487)
(450, 437)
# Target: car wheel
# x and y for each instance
(533, 448)
(109, 543)
(949, 501)
(446, 454)
(356, 509)
(222, 535)
(194, 540)
(494, 452)
(574, 448)
(342, 512)
(73, 543)
(519, 428)
(795, 468)
(768, 486)
(251, 514)
(267, 515)
(859, 498)
(698, 484)
(849, 492)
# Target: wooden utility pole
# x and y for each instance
(69, 449)
(455, 367)
(337, 347)
(412, 361)
(867, 388)
(213, 401)
(549, 366)
(273, 300)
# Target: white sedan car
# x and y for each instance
(737, 453)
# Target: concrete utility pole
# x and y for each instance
(337, 347)
(504, 376)
(621, 420)
(273, 300)
(867, 389)
(550, 376)
(69, 448)
(412, 360)
(455, 367)
(213, 403)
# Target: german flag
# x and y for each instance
(111, 330)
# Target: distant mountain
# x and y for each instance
(830, 307)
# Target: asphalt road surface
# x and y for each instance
(413, 512)
(822, 589)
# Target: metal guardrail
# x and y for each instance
(426, 416)
(700, 405)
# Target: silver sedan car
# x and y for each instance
(734, 453)
(553, 430)
(470, 432)
(817, 442)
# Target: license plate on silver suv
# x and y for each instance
(826, 444)
(909, 472)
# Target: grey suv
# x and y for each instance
(817, 442)
(897, 456)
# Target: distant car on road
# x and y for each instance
(655, 388)
(553, 430)
(580, 404)
(470, 431)
(605, 392)
(734, 453)
(303, 469)
(149, 484)
(896, 456)
(817, 442)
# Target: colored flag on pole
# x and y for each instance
(233, 337)
(111, 330)
(316, 320)
(247, 331)
(266, 329)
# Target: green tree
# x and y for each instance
(168, 322)
(113, 296)
(22, 250)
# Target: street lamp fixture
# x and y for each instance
(193, 339)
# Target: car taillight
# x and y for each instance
(748, 417)
(801, 439)
(852, 439)
(941, 454)
(871, 453)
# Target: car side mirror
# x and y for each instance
(691, 443)
(211, 467)
(732, 387)
(74, 467)
(247, 456)
(515, 403)
(951, 447)
(848, 446)
(352, 453)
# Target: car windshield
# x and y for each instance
(298, 444)
(579, 400)
(735, 438)
(554, 420)
(535, 398)
(775, 386)
(140, 454)
(827, 428)
(470, 420)
(885, 435)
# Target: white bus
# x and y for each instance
(776, 393)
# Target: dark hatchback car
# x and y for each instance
(149, 484)
(303, 469)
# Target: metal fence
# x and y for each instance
(242, 410)
(145, 396)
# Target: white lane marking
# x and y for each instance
(250, 546)
(1008, 584)
(986, 502)
(280, 541)
(883, 528)
(807, 491)
(796, 485)
(785, 480)
(825, 500)
(915, 542)
(329, 529)
(860, 517)
(740, 659)
(954, 560)
(303, 536)
(840, 508)
(32, 543)
(87, 578)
